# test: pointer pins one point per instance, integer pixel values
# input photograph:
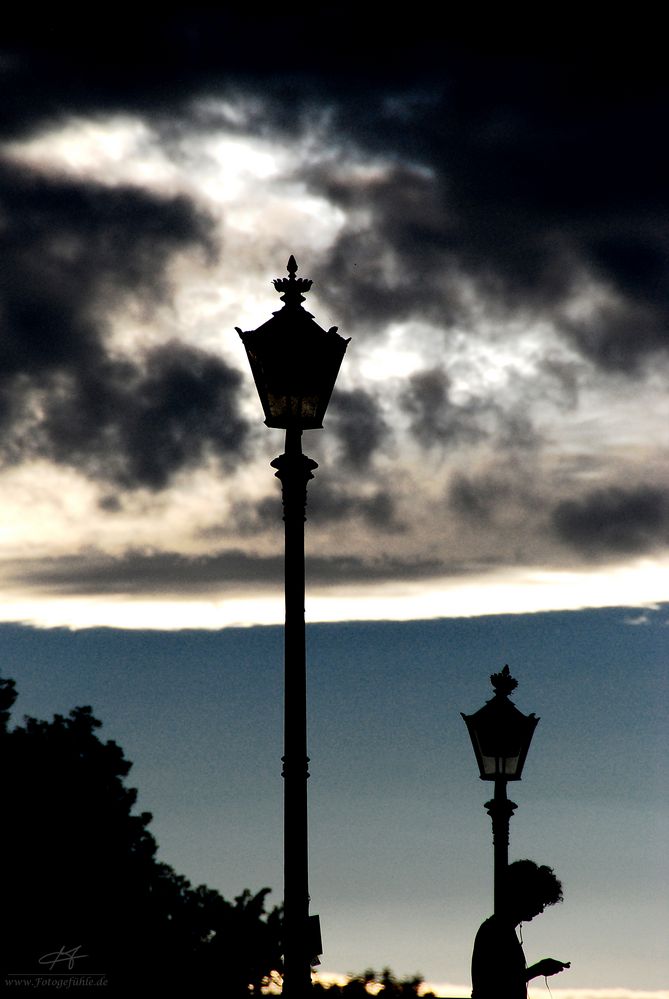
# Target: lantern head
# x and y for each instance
(293, 360)
(500, 733)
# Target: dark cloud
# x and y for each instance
(334, 503)
(70, 62)
(561, 380)
(619, 336)
(70, 65)
(435, 420)
(477, 498)
(397, 263)
(515, 429)
(141, 572)
(158, 573)
(614, 521)
(504, 504)
(355, 417)
(296, 61)
(247, 518)
(429, 239)
(139, 425)
(328, 502)
(72, 253)
(110, 503)
(523, 179)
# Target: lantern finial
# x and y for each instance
(292, 287)
(503, 683)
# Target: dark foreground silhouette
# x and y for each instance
(499, 970)
(84, 898)
(385, 984)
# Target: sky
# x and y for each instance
(483, 210)
(400, 843)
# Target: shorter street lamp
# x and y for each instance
(295, 364)
(501, 736)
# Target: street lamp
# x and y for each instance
(295, 364)
(501, 736)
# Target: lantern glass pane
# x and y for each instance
(510, 765)
(489, 765)
(500, 766)
(293, 410)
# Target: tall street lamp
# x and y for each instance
(501, 736)
(295, 364)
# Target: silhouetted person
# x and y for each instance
(499, 970)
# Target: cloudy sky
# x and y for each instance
(485, 217)
(488, 225)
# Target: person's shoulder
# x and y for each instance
(494, 930)
(488, 928)
(489, 925)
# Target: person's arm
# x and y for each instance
(546, 967)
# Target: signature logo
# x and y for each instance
(57, 956)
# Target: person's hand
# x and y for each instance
(549, 966)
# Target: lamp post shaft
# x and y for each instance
(500, 810)
(295, 363)
(294, 469)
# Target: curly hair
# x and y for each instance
(528, 880)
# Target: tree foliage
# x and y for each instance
(377, 983)
(80, 871)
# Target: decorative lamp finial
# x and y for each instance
(291, 288)
(503, 682)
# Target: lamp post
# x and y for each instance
(295, 364)
(501, 736)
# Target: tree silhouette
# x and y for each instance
(80, 873)
(383, 983)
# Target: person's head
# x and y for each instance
(530, 888)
